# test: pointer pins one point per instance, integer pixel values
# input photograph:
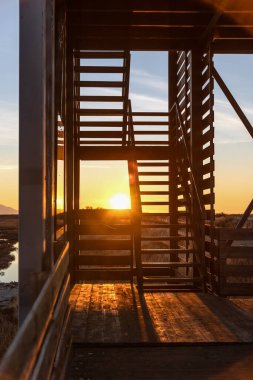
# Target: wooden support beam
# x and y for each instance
(32, 152)
(233, 102)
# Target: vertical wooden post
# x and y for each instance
(69, 142)
(35, 148)
(69, 150)
(173, 161)
(196, 146)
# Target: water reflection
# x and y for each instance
(11, 273)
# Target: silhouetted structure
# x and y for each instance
(70, 111)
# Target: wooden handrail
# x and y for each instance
(193, 181)
(188, 159)
(243, 219)
(136, 198)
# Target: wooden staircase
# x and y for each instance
(101, 96)
(148, 242)
(103, 245)
(167, 257)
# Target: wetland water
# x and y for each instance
(11, 273)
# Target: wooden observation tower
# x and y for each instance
(75, 105)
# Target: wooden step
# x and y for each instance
(100, 69)
(108, 274)
(168, 264)
(159, 183)
(84, 83)
(92, 244)
(154, 192)
(153, 214)
(159, 272)
(152, 203)
(96, 229)
(140, 164)
(169, 288)
(100, 124)
(97, 260)
(100, 112)
(153, 174)
(164, 225)
(92, 98)
(167, 238)
(100, 55)
(123, 153)
(172, 280)
(100, 134)
(166, 251)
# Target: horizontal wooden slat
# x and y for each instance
(107, 215)
(103, 244)
(236, 234)
(99, 69)
(149, 5)
(103, 260)
(153, 203)
(99, 55)
(103, 275)
(100, 112)
(84, 83)
(91, 98)
(154, 192)
(239, 270)
(123, 153)
(240, 252)
(96, 229)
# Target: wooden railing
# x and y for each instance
(232, 264)
(135, 199)
(42, 345)
(197, 221)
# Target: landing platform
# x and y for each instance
(115, 313)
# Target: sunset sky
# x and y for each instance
(149, 91)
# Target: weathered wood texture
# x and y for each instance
(159, 25)
(194, 362)
(116, 313)
(233, 263)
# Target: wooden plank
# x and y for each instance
(240, 252)
(239, 270)
(183, 6)
(45, 362)
(91, 98)
(123, 153)
(99, 69)
(21, 356)
(99, 55)
(236, 234)
(96, 229)
(103, 275)
(111, 260)
(103, 244)
(84, 83)
(237, 289)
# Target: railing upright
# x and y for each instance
(135, 197)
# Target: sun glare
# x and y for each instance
(120, 201)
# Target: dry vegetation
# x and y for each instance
(8, 325)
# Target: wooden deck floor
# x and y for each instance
(116, 313)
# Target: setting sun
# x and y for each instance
(120, 201)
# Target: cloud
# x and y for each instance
(149, 80)
(228, 127)
(8, 167)
(8, 123)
